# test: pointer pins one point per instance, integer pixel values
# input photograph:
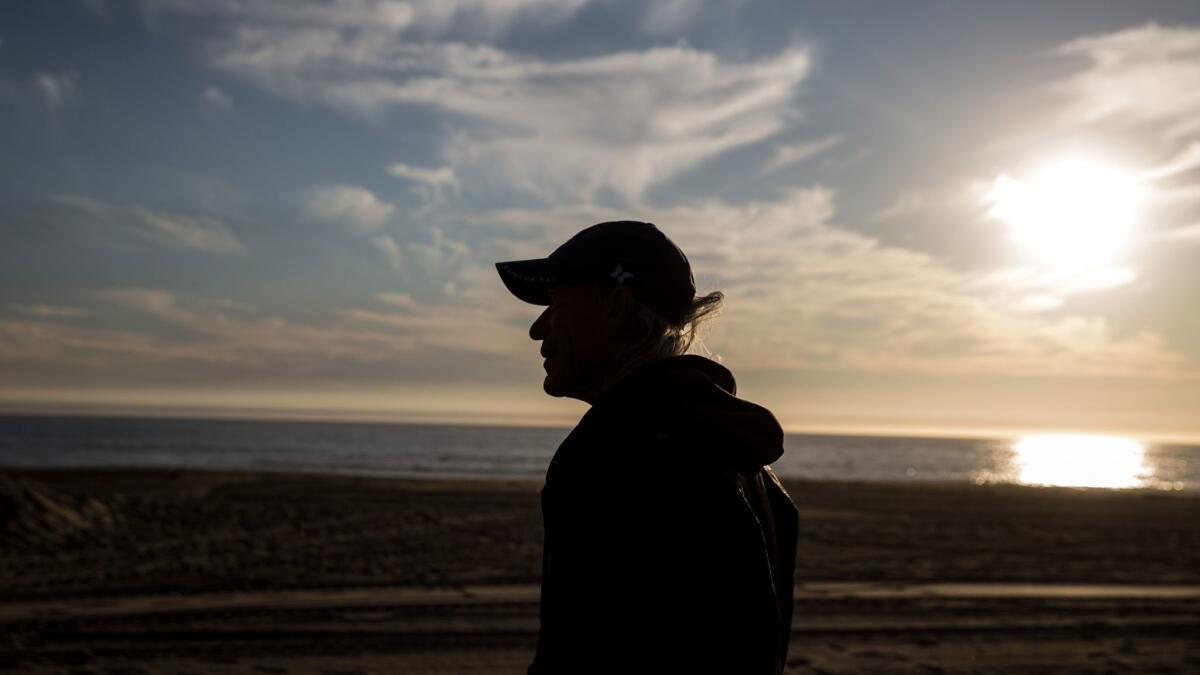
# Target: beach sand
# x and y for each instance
(129, 571)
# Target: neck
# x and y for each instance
(620, 376)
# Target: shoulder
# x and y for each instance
(648, 447)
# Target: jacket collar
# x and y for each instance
(695, 397)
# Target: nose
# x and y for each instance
(540, 328)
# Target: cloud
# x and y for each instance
(623, 122)
(386, 340)
(215, 333)
(905, 204)
(441, 246)
(66, 348)
(397, 299)
(50, 311)
(440, 177)
(1038, 289)
(1142, 85)
(152, 301)
(468, 328)
(424, 259)
(217, 99)
(56, 89)
(172, 230)
(670, 16)
(431, 184)
(1147, 74)
(1184, 161)
(1185, 233)
(413, 18)
(803, 294)
(555, 129)
(390, 250)
(788, 155)
(201, 233)
(357, 209)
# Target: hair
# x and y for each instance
(652, 337)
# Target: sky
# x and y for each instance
(926, 217)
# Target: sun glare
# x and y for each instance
(1073, 216)
(1081, 461)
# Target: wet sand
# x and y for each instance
(234, 572)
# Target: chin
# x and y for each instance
(554, 386)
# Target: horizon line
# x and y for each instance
(869, 429)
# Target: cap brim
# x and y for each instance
(530, 280)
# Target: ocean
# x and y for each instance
(439, 451)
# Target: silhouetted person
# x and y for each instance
(670, 545)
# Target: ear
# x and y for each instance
(618, 305)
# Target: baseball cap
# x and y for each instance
(623, 253)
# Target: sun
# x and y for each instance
(1073, 216)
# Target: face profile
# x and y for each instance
(575, 330)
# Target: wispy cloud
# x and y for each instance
(1143, 84)
(803, 294)
(623, 122)
(434, 185)
(806, 292)
(670, 16)
(50, 311)
(1185, 233)
(354, 208)
(1037, 289)
(403, 300)
(384, 340)
(172, 230)
(557, 129)
(438, 253)
(1183, 161)
(56, 89)
(789, 155)
(390, 250)
(418, 252)
(217, 99)
(906, 203)
(415, 18)
(837, 300)
(439, 177)
(1145, 74)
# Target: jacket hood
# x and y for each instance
(698, 395)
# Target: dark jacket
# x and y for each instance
(670, 546)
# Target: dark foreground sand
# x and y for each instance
(221, 572)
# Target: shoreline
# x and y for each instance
(83, 474)
(103, 411)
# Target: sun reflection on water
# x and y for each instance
(1080, 461)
